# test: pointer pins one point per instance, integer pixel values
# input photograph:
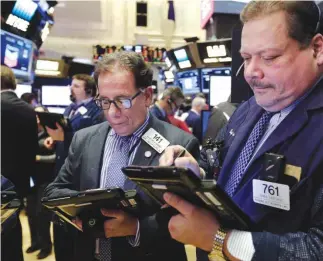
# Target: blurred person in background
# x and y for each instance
(170, 101)
(219, 117)
(82, 113)
(18, 153)
(193, 120)
(38, 216)
(30, 98)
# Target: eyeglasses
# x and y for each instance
(120, 103)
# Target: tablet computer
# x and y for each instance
(155, 181)
(50, 119)
(87, 204)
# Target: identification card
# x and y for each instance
(271, 194)
(82, 110)
(155, 140)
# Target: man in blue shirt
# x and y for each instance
(282, 48)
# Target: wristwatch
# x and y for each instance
(216, 253)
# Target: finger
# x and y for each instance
(184, 207)
(78, 222)
(170, 153)
(190, 163)
(112, 213)
(164, 206)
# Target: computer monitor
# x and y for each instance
(220, 89)
(182, 58)
(189, 81)
(55, 95)
(205, 115)
(22, 88)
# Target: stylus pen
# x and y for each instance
(181, 154)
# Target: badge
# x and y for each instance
(271, 194)
(155, 140)
(82, 110)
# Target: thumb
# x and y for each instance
(184, 207)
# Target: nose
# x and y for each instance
(114, 111)
(252, 69)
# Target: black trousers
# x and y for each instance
(11, 242)
(64, 238)
(38, 218)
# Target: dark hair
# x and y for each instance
(8, 80)
(28, 97)
(129, 61)
(175, 93)
(90, 85)
(304, 18)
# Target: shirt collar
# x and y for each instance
(195, 111)
(84, 102)
(7, 90)
(138, 132)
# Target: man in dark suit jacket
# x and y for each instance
(193, 119)
(18, 150)
(169, 103)
(284, 120)
(82, 113)
(125, 94)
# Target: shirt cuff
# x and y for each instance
(202, 173)
(134, 241)
(240, 245)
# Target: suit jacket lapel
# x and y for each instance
(241, 135)
(95, 157)
(140, 158)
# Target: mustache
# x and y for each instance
(256, 83)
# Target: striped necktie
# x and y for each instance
(242, 162)
(115, 177)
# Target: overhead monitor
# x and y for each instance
(220, 89)
(169, 76)
(215, 53)
(189, 81)
(22, 88)
(17, 53)
(182, 58)
(55, 95)
(206, 73)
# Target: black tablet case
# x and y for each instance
(155, 181)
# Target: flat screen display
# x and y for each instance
(182, 59)
(189, 82)
(22, 88)
(208, 72)
(220, 89)
(205, 115)
(55, 95)
(17, 53)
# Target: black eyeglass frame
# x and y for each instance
(98, 101)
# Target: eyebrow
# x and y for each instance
(263, 51)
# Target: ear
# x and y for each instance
(317, 44)
(148, 96)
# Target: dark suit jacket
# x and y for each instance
(154, 110)
(19, 141)
(194, 121)
(82, 171)
(290, 235)
(93, 115)
(218, 120)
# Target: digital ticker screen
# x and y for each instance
(16, 53)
